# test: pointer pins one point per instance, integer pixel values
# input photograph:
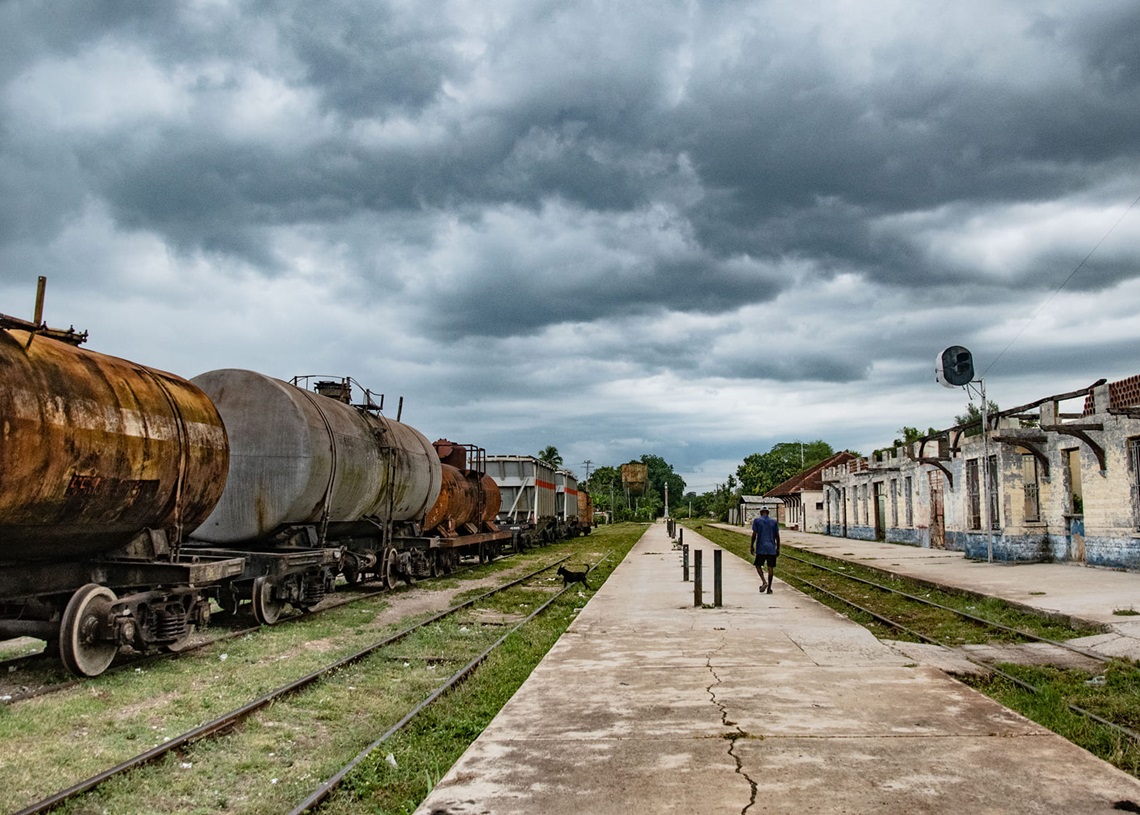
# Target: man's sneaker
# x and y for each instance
(769, 590)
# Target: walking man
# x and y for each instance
(765, 546)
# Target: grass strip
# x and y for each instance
(424, 751)
(938, 624)
(1112, 694)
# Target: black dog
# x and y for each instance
(569, 576)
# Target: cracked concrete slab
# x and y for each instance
(1027, 774)
(773, 703)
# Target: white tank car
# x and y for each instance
(299, 458)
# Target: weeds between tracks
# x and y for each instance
(275, 758)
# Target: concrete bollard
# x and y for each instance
(717, 585)
(697, 578)
(685, 563)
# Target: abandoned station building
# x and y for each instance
(1054, 480)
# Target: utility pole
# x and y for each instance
(587, 464)
(954, 368)
(613, 509)
(666, 502)
(987, 514)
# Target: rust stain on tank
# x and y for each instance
(97, 448)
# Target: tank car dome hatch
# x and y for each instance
(299, 458)
(97, 448)
(451, 453)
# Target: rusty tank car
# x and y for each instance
(469, 500)
(105, 466)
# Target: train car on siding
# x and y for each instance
(586, 510)
(105, 466)
(567, 506)
(311, 471)
(529, 493)
(314, 476)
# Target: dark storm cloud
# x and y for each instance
(530, 201)
(791, 137)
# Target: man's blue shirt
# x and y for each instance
(767, 533)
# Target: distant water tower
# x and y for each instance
(635, 477)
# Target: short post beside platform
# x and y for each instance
(718, 594)
(697, 598)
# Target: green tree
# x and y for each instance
(606, 481)
(599, 486)
(972, 418)
(693, 505)
(907, 436)
(551, 456)
(761, 472)
(661, 473)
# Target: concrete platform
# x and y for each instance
(773, 703)
(1086, 594)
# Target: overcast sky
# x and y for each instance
(692, 229)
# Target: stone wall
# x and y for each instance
(1063, 485)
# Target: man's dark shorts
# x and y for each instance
(769, 560)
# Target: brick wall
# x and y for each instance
(1122, 393)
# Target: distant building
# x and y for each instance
(750, 506)
(1041, 484)
(801, 496)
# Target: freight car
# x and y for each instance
(311, 471)
(105, 465)
(133, 501)
(540, 503)
(568, 506)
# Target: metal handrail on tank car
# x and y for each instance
(346, 381)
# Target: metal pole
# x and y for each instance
(666, 500)
(718, 594)
(685, 563)
(697, 578)
(986, 472)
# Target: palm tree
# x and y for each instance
(551, 456)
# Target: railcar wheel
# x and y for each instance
(434, 567)
(266, 610)
(389, 567)
(80, 648)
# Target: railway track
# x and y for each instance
(39, 674)
(1015, 633)
(986, 664)
(330, 672)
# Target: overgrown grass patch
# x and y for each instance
(1112, 694)
(274, 759)
(425, 750)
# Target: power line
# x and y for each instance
(1057, 291)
